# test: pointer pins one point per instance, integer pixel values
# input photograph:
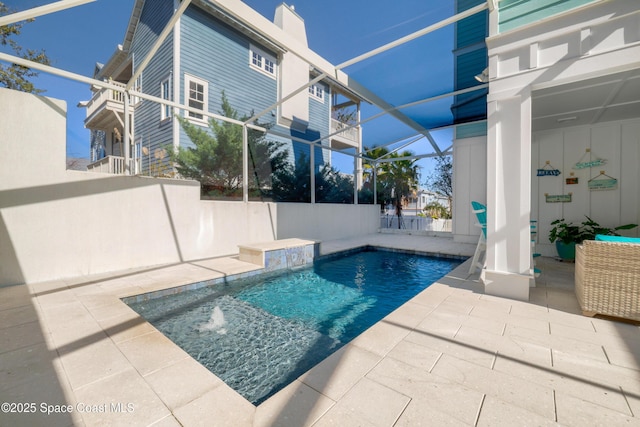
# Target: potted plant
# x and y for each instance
(566, 235)
(590, 228)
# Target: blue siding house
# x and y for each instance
(213, 51)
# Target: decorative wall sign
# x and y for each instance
(558, 198)
(548, 170)
(582, 164)
(590, 164)
(602, 182)
(572, 180)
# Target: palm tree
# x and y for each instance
(403, 178)
(374, 170)
(395, 178)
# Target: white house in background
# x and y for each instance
(424, 198)
(564, 78)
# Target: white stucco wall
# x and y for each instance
(326, 221)
(56, 223)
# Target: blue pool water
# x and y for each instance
(259, 335)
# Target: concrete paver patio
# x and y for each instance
(450, 356)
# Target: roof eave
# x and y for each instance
(114, 63)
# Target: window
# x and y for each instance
(269, 66)
(165, 93)
(256, 59)
(317, 91)
(196, 93)
(262, 61)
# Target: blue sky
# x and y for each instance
(336, 29)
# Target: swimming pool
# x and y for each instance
(260, 334)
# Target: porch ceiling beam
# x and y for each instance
(40, 11)
(161, 38)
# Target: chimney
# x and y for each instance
(287, 19)
(294, 72)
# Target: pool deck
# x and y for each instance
(450, 356)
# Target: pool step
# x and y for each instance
(280, 254)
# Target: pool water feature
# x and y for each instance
(260, 334)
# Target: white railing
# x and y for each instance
(114, 165)
(351, 134)
(105, 95)
(409, 222)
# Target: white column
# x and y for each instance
(125, 133)
(312, 173)
(507, 270)
(375, 182)
(358, 177)
(245, 164)
(356, 172)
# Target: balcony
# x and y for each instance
(348, 138)
(114, 165)
(105, 108)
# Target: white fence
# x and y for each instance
(418, 223)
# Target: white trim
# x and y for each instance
(176, 76)
(188, 79)
(318, 92)
(166, 93)
(137, 87)
(261, 61)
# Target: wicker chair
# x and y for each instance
(607, 279)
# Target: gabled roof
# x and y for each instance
(103, 71)
(133, 23)
(121, 53)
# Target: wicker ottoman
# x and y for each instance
(607, 279)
